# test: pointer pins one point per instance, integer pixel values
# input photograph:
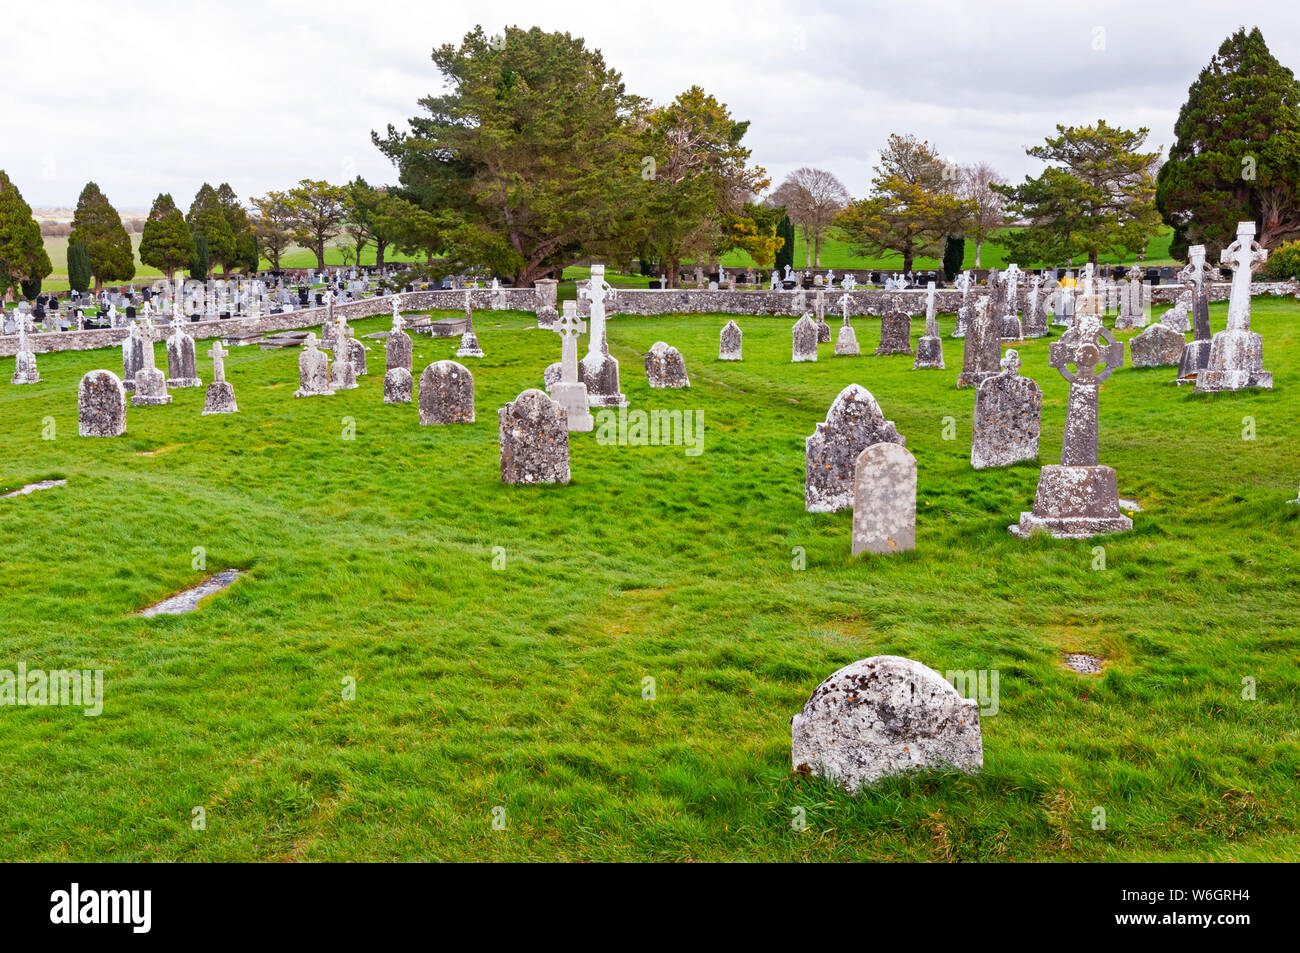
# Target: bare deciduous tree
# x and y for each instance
(976, 184)
(812, 198)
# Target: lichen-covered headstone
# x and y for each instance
(343, 375)
(101, 405)
(853, 423)
(804, 340)
(220, 396)
(895, 330)
(446, 394)
(929, 349)
(357, 357)
(1179, 317)
(182, 364)
(1008, 417)
(1236, 357)
(1134, 295)
(884, 500)
(133, 355)
(397, 346)
(1035, 323)
(25, 371)
(534, 438)
(884, 716)
(150, 382)
(1079, 498)
(664, 366)
(1157, 346)
(730, 342)
(398, 385)
(982, 356)
(313, 371)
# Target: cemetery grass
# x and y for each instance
(372, 559)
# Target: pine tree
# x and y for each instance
(22, 249)
(1237, 151)
(207, 219)
(97, 225)
(785, 254)
(244, 248)
(166, 243)
(201, 264)
(78, 267)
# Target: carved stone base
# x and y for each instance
(929, 353)
(1074, 503)
(1236, 362)
(220, 399)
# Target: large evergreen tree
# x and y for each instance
(784, 254)
(79, 274)
(207, 218)
(1237, 151)
(166, 243)
(97, 225)
(244, 251)
(532, 146)
(1096, 197)
(22, 249)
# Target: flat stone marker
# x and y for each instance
(1157, 346)
(534, 438)
(101, 405)
(884, 500)
(730, 342)
(1236, 359)
(313, 371)
(664, 366)
(1079, 498)
(895, 330)
(398, 386)
(853, 423)
(1008, 417)
(884, 716)
(446, 394)
(982, 356)
(804, 340)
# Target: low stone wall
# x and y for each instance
(480, 299)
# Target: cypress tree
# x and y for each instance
(78, 267)
(201, 264)
(785, 256)
(22, 249)
(208, 219)
(954, 253)
(97, 225)
(166, 243)
(1237, 151)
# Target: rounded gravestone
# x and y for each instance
(854, 422)
(446, 394)
(884, 500)
(883, 716)
(101, 405)
(398, 385)
(357, 357)
(664, 366)
(534, 438)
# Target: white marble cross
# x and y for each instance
(218, 354)
(1243, 256)
(931, 327)
(569, 327)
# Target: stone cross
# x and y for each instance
(1079, 346)
(595, 295)
(963, 284)
(1243, 256)
(341, 334)
(569, 327)
(931, 327)
(844, 309)
(218, 354)
(1196, 276)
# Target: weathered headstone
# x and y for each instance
(1196, 276)
(929, 349)
(398, 385)
(1035, 323)
(469, 346)
(982, 356)
(182, 363)
(570, 392)
(150, 382)
(846, 343)
(730, 342)
(101, 405)
(397, 346)
(884, 500)
(1179, 317)
(804, 340)
(965, 281)
(853, 423)
(1008, 417)
(1079, 498)
(1157, 346)
(357, 357)
(313, 371)
(823, 329)
(343, 376)
(534, 438)
(895, 330)
(133, 346)
(1133, 299)
(446, 394)
(220, 395)
(1237, 353)
(25, 371)
(884, 716)
(664, 366)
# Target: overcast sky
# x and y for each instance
(147, 97)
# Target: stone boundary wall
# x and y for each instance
(481, 299)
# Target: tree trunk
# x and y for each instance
(978, 245)
(907, 260)
(817, 248)
(807, 250)
(674, 265)
(379, 253)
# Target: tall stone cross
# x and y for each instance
(1243, 256)
(1196, 276)
(397, 316)
(218, 354)
(595, 295)
(341, 334)
(963, 284)
(1088, 345)
(1011, 279)
(931, 328)
(569, 327)
(844, 309)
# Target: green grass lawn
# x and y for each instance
(372, 558)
